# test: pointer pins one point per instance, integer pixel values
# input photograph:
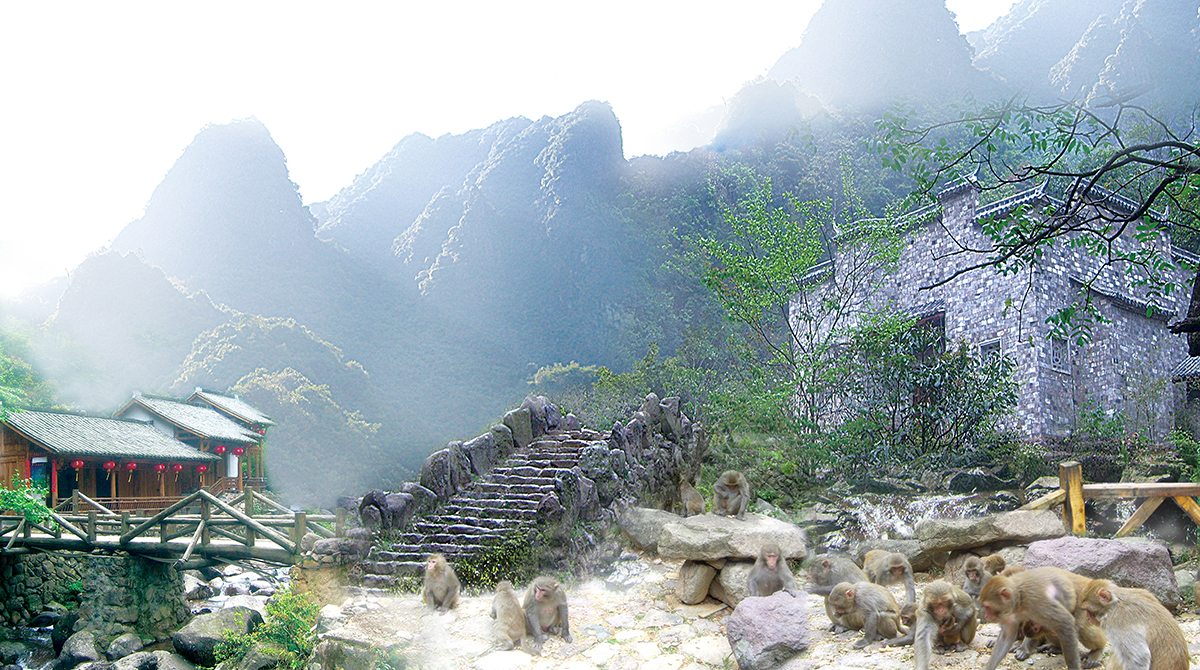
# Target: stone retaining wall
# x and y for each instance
(116, 594)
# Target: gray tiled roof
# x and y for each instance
(201, 420)
(1188, 370)
(235, 406)
(75, 435)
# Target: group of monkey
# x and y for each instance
(1050, 608)
(544, 609)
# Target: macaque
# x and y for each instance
(880, 615)
(978, 571)
(1048, 597)
(946, 618)
(731, 494)
(908, 615)
(693, 502)
(1012, 570)
(886, 568)
(830, 569)
(509, 627)
(546, 611)
(1142, 633)
(1037, 639)
(441, 584)
(771, 573)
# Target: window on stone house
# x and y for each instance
(1060, 354)
(935, 325)
(989, 350)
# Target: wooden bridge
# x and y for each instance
(1072, 493)
(193, 530)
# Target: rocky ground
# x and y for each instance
(631, 620)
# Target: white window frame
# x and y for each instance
(1060, 363)
(988, 344)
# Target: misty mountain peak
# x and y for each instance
(865, 54)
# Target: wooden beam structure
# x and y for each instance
(1073, 493)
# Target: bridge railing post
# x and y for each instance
(339, 526)
(91, 527)
(300, 528)
(75, 501)
(248, 500)
(205, 513)
(1070, 479)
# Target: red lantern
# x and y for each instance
(130, 466)
(238, 451)
(77, 464)
(219, 449)
(202, 469)
(261, 431)
(160, 467)
(109, 466)
(177, 468)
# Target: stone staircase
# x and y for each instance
(503, 505)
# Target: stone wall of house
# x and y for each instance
(113, 595)
(1126, 365)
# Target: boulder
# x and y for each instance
(482, 453)
(422, 497)
(258, 657)
(10, 651)
(693, 582)
(398, 510)
(652, 409)
(1129, 563)
(1009, 527)
(196, 589)
(342, 655)
(767, 632)
(672, 420)
(153, 660)
(709, 537)
(596, 464)
(921, 561)
(197, 641)
(519, 425)
(256, 603)
(79, 648)
(447, 471)
(570, 423)
(63, 629)
(638, 435)
(732, 582)
(123, 645)
(577, 494)
(644, 525)
(502, 435)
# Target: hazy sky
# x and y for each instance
(100, 98)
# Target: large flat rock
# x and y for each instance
(1132, 563)
(709, 537)
(1009, 527)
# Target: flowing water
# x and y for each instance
(896, 516)
(38, 652)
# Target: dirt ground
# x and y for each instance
(632, 620)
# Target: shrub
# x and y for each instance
(286, 630)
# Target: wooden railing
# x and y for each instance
(200, 516)
(1073, 493)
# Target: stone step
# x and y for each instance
(490, 503)
(513, 488)
(472, 521)
(550, 462)
(514, 480)
(420, 552)
(499, 495)
(494, 513)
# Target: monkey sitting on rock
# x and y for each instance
(731, 494)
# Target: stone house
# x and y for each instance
(1126, 366)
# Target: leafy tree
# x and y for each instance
(1113, 168)
(797, 282)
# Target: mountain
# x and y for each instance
(120, 326)
(866, 54)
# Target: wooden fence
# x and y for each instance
(1072, 493)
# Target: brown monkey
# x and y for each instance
(874, 604)
(693, 502)
(946, 618)
(731, 494)
(978, 571)
(441, 584)
(509, 627)
(830, 569)
(1012, 570)
(827, 571)
(771, 573)
(1037, 639)
(1046, 596)
(908, 615)
(546, 611)
(886, 568)
(1142, 633)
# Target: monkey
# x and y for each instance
(509, 627)
(771, 573)
(1142, 633)
(827, 571)
(830, 569)
(1037, 639)
(546, 611)
(1012, 570)
(946, 618)
(874, 604)
(1048, 597)
(886, 568)
(441, 584)
(978, 571)
(908, 615)
(693, 502)
(731, 494)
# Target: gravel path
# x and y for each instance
(632, 620)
